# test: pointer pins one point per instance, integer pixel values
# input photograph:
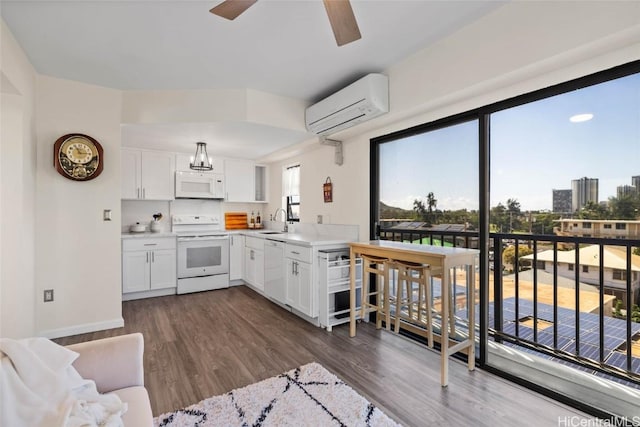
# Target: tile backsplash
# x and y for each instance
(141, 211)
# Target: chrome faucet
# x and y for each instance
(284, 219)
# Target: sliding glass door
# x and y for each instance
(565, 200)
(547, 186)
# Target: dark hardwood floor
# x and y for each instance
(208, 343)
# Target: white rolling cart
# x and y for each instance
(333, 287)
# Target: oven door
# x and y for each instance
(203, 256)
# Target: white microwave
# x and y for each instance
(199, 185)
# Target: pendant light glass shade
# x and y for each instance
(201, 161)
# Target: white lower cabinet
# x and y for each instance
(236, 257)
(163, 269)
(148, 264)
(299, 293)
(254, 262)
(299, 283)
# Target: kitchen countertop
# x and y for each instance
(303, 239)
(147, 235)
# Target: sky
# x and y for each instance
(535, 148)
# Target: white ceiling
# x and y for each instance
(284, 47)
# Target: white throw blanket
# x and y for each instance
(39, 387)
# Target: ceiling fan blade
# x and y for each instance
(343, 21)
(231, 9)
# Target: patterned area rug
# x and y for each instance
(306, 396)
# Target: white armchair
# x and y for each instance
(115, 364)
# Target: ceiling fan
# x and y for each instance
(343, 21)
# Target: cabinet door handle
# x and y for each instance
(144, 196)
(147, 261)
(252, 255)
(295, 253)
(138, 193)
(296, 264)
(153, 257)
(231, 240)
(150, 244)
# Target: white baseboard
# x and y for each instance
(82, 329)
(148, 294)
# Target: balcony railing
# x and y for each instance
(538, 304)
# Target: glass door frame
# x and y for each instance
(483, 115)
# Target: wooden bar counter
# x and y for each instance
(438, 257)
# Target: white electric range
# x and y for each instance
(203, 253)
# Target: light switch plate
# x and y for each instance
(48, 295)
(106, 215)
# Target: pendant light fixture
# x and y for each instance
(201, 161)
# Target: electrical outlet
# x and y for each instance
(319, 219)
(48, 295)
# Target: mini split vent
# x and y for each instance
(360, 101)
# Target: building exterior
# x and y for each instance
(625, 190)
(635, 181)
(614, 266)
(604, 228)
(562, 201)
(583, 191)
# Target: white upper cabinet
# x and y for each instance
(130, 171)
(240, 180)
(245, 181)
(147, 175)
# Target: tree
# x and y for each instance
(544, 222)
(625, 207)
(513, 209)
(617, 311)
(432, 202)
(509, 254)
(513, 205)
(419, 208)
(592, 210)
(498, 217)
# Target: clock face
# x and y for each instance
(78, 157)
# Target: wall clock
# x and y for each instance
(78, 157)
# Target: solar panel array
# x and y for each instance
(614, 334)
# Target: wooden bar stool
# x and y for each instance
(410, 273)
(395, 298)
(377, 266)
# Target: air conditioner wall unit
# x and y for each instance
(360, 101)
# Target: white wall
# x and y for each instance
(17, 190)
(77, 253)
(521, 47)
(192, 106)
